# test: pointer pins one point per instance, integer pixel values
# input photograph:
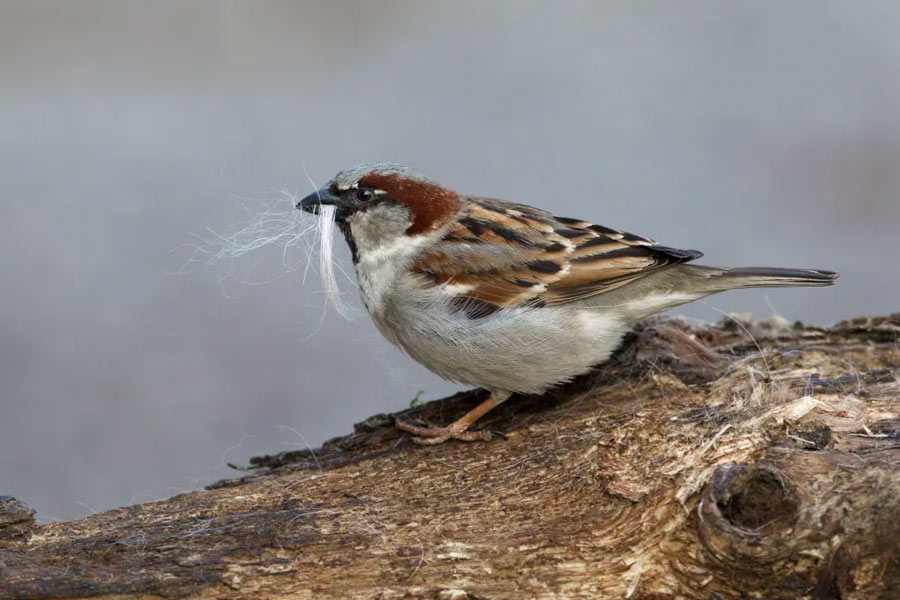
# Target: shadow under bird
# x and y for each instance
(505, 296)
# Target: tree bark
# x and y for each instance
(745, 460)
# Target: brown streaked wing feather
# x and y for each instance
(500, 254)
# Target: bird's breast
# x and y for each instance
(521, 349)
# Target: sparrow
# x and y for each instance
(505, 296)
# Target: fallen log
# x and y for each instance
(752, 459)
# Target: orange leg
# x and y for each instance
(458, 430)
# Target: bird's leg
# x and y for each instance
(459, 429)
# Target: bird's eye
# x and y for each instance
(365, 194)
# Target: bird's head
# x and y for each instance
(376, 203)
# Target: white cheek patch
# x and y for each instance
(391, 246)
(380, 234)
(398, 248)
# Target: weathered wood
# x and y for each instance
(698, 463)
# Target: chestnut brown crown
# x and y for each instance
(359, 188)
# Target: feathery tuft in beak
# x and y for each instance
(321, 197)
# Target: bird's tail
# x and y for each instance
(716, 279)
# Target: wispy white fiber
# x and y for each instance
(276, 224)
(327, 262)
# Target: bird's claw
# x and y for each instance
(431, 436)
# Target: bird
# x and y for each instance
(505, 296)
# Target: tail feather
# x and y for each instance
(720, 279)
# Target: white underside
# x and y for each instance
(523, 350)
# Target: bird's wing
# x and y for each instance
(499, 254)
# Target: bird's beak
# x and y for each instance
(321, 197)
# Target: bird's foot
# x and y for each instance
(430, 436)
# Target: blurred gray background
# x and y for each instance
(763, 133)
